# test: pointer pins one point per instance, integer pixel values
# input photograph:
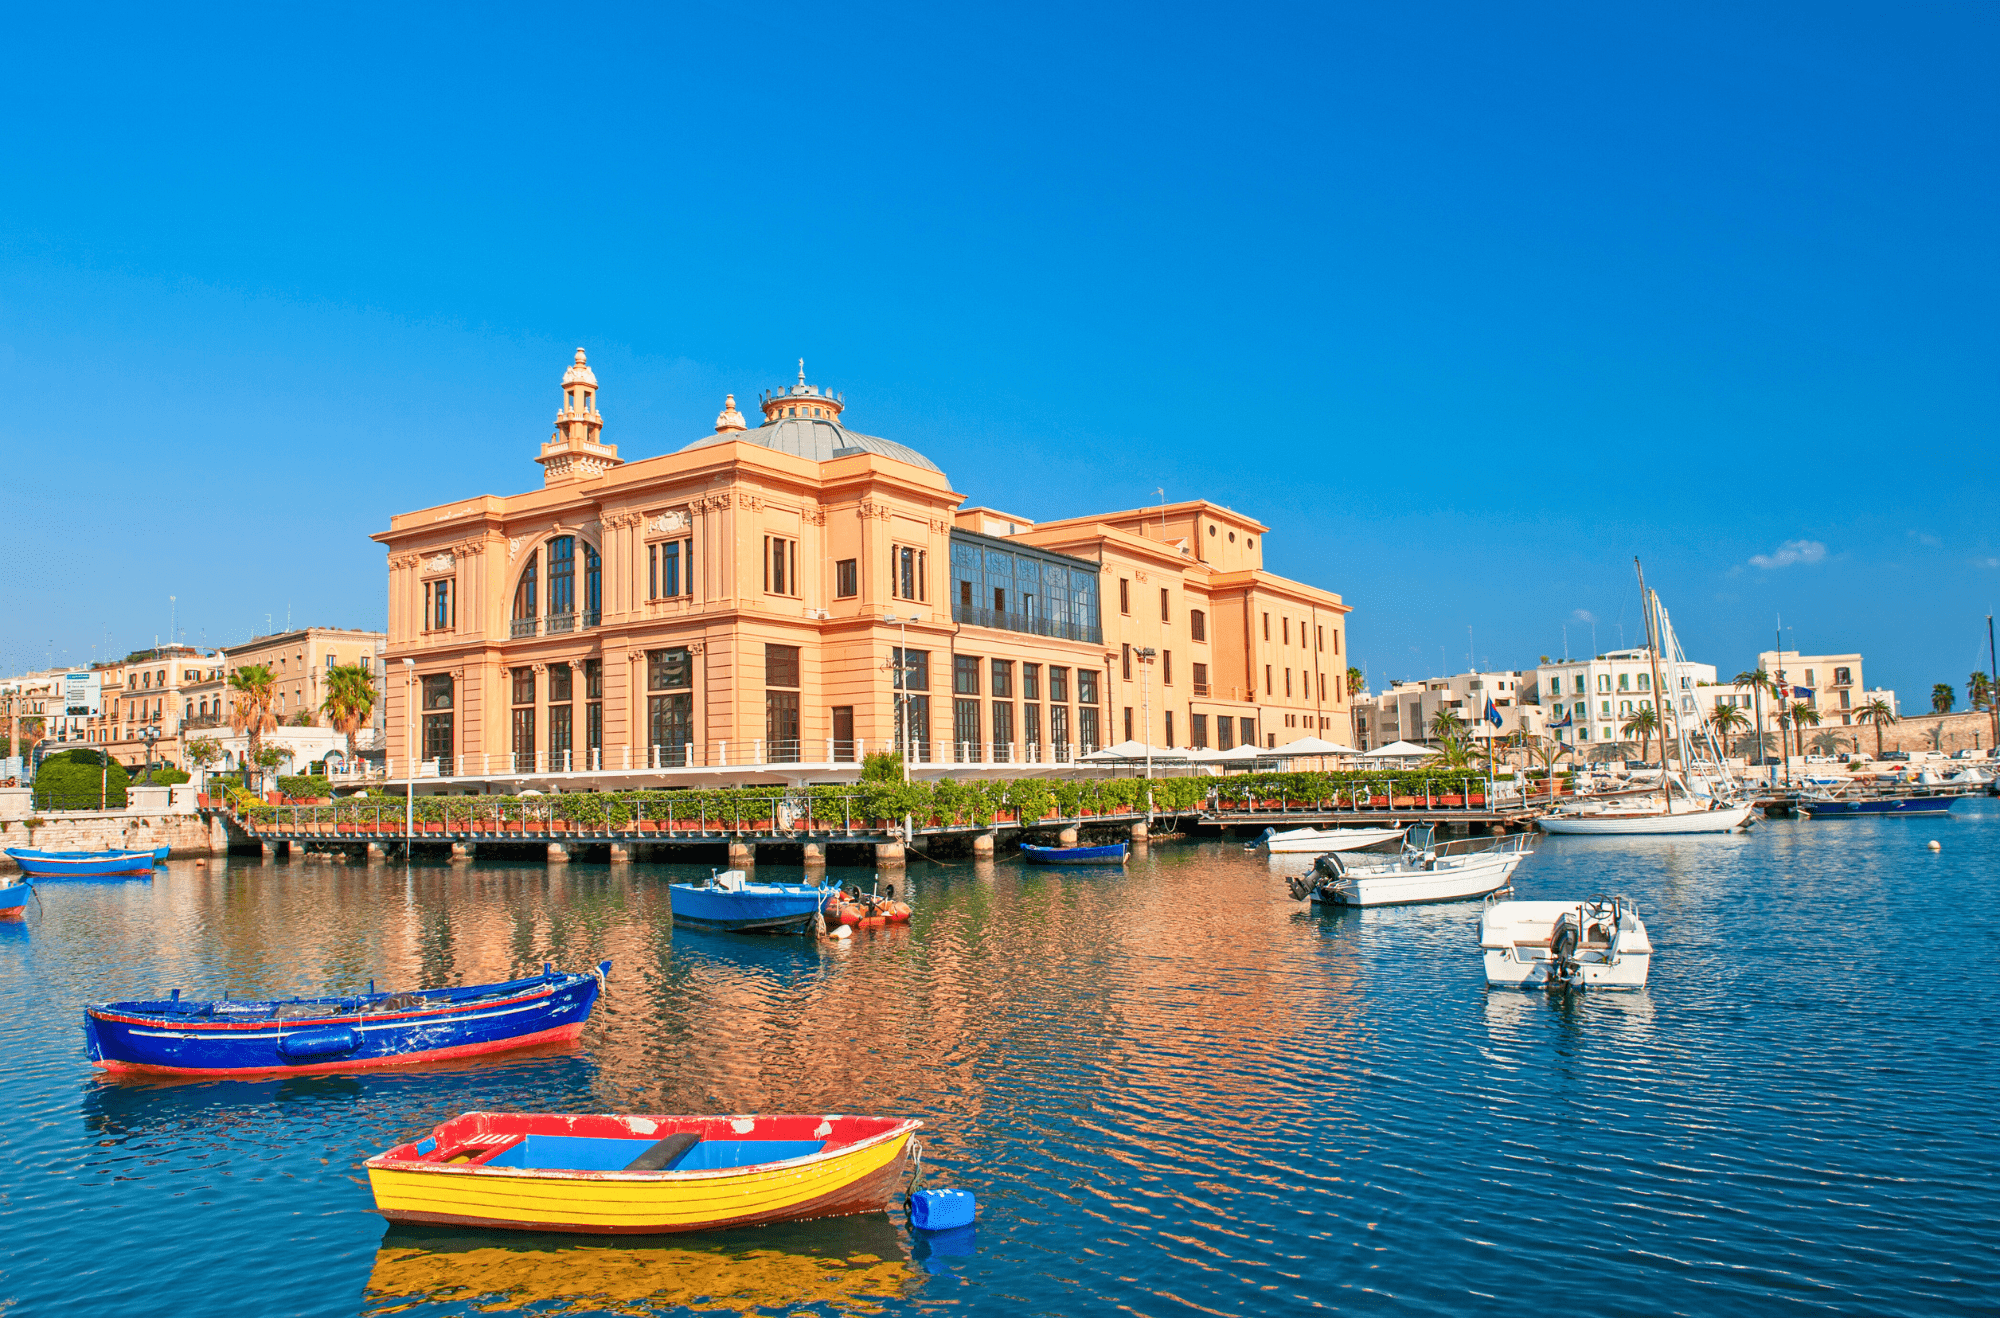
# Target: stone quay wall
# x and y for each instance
(1963, 731)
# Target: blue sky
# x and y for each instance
(1469, 304)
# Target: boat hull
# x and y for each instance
(1417, 886)
(854, 1178)
(161, 1043)
(1726, 820)
(751, 911)
(1313, 842)
(13, 900)
(82, 864)
(1515, 940)
(1896, 805)
(1114, 854)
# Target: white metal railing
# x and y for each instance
(726, 754)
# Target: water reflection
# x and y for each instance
(848, 1264)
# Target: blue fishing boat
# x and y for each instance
(1849, 807)
(730, 901)
(1114, 854)
(358, 1032)
(84, 864)
(13, 899)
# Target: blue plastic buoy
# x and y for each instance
(941, 1210)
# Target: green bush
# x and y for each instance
(302, 785)
(71, 780)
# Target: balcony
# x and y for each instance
(522, 627)
(561, 622)
(972, 615)
(1201, 688)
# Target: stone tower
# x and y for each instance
(575, 452)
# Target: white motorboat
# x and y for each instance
(1587, 819)
(1600, 943)
(1455, 871)
(1319, 842)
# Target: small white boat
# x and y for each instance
(1589, 820)
(1320, 842)
(1456, 871)
(1600, 943)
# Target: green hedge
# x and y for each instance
(304, 785)
(946, 801)
(72, 779)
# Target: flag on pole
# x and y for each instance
(1492, 712)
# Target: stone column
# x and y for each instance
(815, 853)
(982, 843)
(558, 853)
(888, 853)
(1066, 838)
(740, 853)
(620, 852)
(270, 850)
(376, 851)
(1139, 832)
(461, 851)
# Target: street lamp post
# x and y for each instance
(149, 734)
(1145, 658)
(409, 752)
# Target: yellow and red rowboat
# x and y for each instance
(641, 1175)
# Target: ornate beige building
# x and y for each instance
(738, 610)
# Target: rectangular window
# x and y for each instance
(593, 679)
(437, 716)
(781, 726)
(1003, 731)
(1201, 679)
(561, 681)
(1267, 626)
(1003, 682)
(652, 572)
(1059, 684)
(1086, 686)
(1170, 729)
(1165, 616)
(1128, 723)
(965, 594)
(965, 678)
(999, 599)
(669, 725)
(965, 730)
(1336, 641)
(1167, 669)
(1198, 732)
(1125, 659)
(1031, 728)
(1288, 684)
(667, 670)
(781, 565)
(1225, 733)
(1285, 624)
(1059, 730)
(670, 568)
(560, 735)
(1031, 681)
(524, 686)
(843, 733)
(524, 740)
(781, 667)
(912, 668)
(1322, 688)
(918, 713)
(847, 582)
(907, 570)
(1320, 634)
(1267, 680)
(1124, 595)
(1086, 728)
(1197, 625)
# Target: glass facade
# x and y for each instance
(1013, 588)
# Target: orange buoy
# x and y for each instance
(899, 912)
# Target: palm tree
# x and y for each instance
(1606, 751)
(1979, 692)
(1645, 723)
(1759, 746)
(1802, 716)
(1829, 743)
(1943, 697)
(350, 699)
(1878, 712)
(1725, 719)
(1447, 726)
(251, 712)
(1758, 681)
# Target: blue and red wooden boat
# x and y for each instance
(1112, 855)
(13, 899)
(84, 864)
(1849, 807)
(360, 1032)
(612, 1175)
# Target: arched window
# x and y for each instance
(525, 597)
(562, 582)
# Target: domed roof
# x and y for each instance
(816, 440)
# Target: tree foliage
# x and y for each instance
(1943, 697)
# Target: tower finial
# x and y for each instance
(802, 372)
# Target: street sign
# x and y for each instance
(82, 693)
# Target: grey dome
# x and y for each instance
(816, 440)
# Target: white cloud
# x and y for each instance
(1790, 552)
(1986, 562)
(1583, 615)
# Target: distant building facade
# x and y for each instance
(1405, 711)
(1832, 682)
(798, 593)
(1590, 700)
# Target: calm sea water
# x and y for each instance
(1174, 1091)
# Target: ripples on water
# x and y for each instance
(1174, 1090)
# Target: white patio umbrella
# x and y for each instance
(1136, 750)
(1314, 746)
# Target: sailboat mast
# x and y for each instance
(1659, 700)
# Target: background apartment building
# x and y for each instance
(760, 596)
(1832, 682)
(1405, 711)
(1590, 700)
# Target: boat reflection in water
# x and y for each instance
(856, 1263)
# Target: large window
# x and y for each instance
(525, 596)
(1003, 731)
(1059, 684)
(437, 716)
(781, 665)
(593, 711)
(562, 685)
(965, 677)
(965, 730)
(1225, 733)
(669, 706)
(1059, 730)
(846, 578)
(1197, 625)
(1086, 686)
(1031, 681)
(523, 683)
(1201, 679)
(669, 569)
(781, 566)
(562, 577)
(911, 671)
(908, 568)
(1003, 679)
(437, 609)
(1014, 588)
(781, 708)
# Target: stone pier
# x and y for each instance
(982, 843)
(815, 853)
(558, 853)
(740, 853)
(1139, 832)
(620, 851)
(889, 853)
(1067, 837)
